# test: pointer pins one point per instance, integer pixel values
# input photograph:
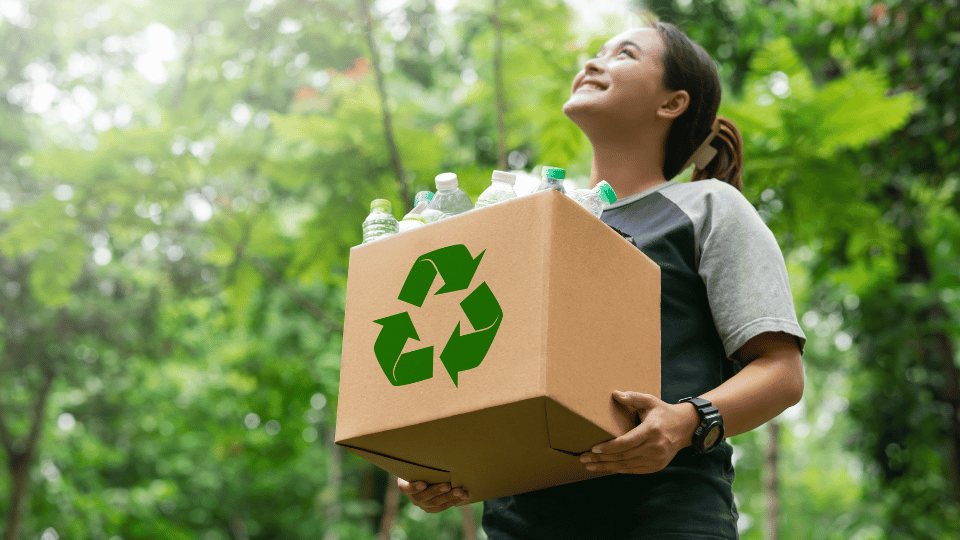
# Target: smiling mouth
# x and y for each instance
(590, 85)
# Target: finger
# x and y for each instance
(635, 466)
(445, 500)
(411, 488)
(632, 439)
(431, 491)
(642, 403)
(444, 506)
(630, 453)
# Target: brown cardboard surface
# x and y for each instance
(580, 319)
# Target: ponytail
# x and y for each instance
(698, 135)
(727, 163)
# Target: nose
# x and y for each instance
(593, 65)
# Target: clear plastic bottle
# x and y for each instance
(552, 178)
(501, 189)
(420, 206)
(450, 200)
(411, 221)
(593, 199)
(380, 222)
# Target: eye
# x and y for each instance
(628, 53)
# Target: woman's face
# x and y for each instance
(624, 80)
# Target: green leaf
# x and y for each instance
(55, 272)
(855, 110)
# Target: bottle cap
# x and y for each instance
(381, 204)
(554, 172)
(420, 207)
(422, 196)
(606, 192)
(447, 180)
(414, 217)
(505, 177)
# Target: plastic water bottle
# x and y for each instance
(450, 200)
(411, 221)
(501, 189)
(552, 178)
(594, 199)
(380, 222)
(420, 206)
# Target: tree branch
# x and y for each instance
(266, 271)
(364, 9)
(498, 85)
(38, 410)
(5, 437)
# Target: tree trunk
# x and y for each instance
(391, 501)
(19, 466)
(771, 482)
(334, 486)
(364, 10)
(20, 457)
(237, 527)
(498, 86)
(469, 522)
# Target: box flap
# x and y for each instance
(570, 433)
(401, 468)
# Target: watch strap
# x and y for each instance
(708, 414)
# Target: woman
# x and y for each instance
(648, 103)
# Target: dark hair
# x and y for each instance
(686, 66)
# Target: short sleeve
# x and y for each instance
(743, 269)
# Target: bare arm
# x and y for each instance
(771, 381)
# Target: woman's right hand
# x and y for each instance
(432, 498)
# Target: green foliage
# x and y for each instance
(177, 255)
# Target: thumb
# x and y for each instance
(636, 400)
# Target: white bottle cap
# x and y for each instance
(505, 177)
(447, 180)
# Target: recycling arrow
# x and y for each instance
(455, 266)
(466, 351)
(406, 368)
(463, 351)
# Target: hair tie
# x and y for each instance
(705, 152)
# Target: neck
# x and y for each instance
(629, 164)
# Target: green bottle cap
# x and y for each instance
(554, 172)
(422, 195)
(606, 192)
(381, 204)
(412, 216)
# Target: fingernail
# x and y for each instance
(457, 493)
(444, 489)
(584, 459)
(591, 467)
(596, 450)
(420, 486)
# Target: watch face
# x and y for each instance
(712, 437)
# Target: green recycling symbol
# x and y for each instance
(462, 351)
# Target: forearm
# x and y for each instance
(763, 389)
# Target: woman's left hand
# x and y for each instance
(664, 429)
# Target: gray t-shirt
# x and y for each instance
(736, 256)
(723, 281)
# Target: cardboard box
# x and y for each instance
(536, 312)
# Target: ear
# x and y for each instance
(674, 105)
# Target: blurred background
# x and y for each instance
(181, 182)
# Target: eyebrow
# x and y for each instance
(621, 44)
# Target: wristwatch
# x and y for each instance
(709, 433)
